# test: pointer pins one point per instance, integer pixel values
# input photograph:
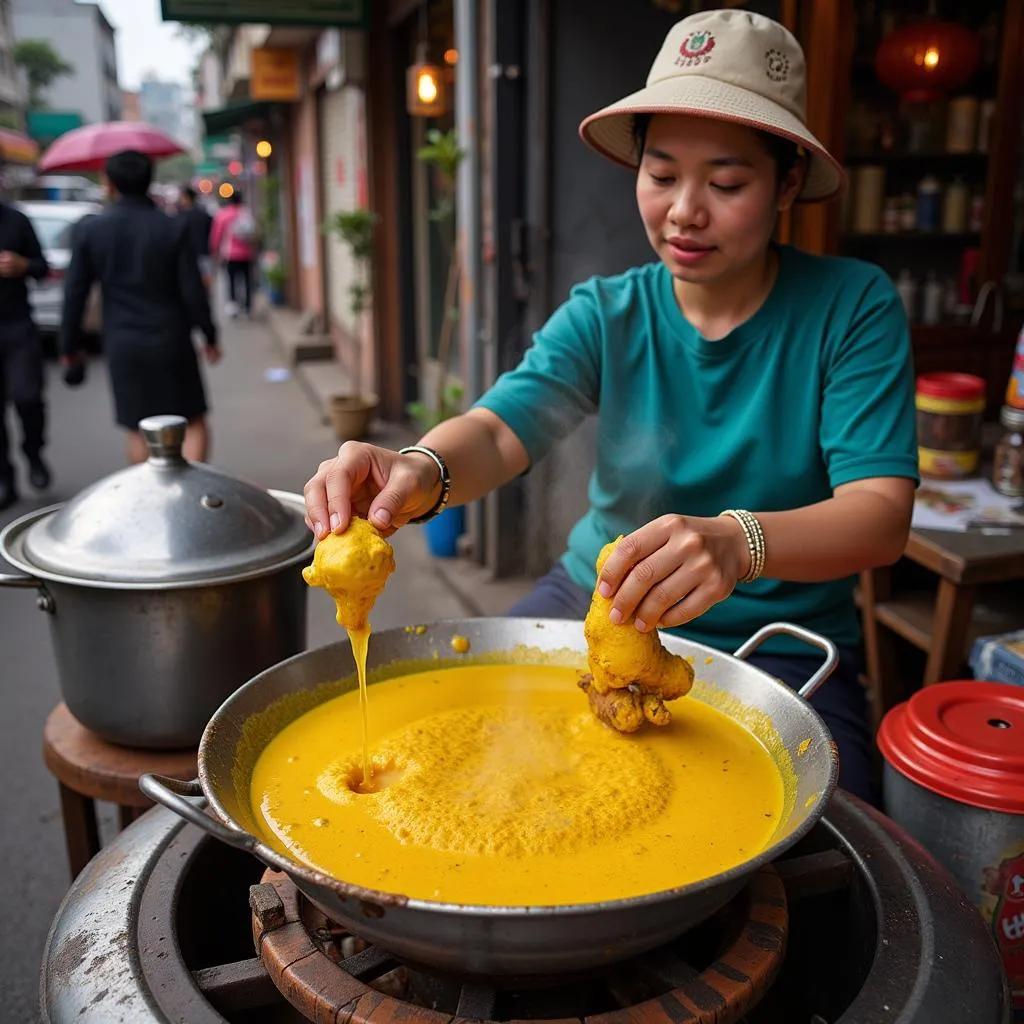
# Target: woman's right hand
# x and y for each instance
(384, 487)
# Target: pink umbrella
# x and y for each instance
(87, 148)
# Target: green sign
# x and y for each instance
(327, 13)
(47, 125)
(209, 169)
(220, 147)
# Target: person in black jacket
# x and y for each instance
(21, 351)
(199, 223)
(152, 297)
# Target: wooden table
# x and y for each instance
(943, 624)
(89, 769)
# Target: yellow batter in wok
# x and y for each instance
(494, 785)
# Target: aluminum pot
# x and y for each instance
(954, 779)
(488, 941)
(167, 586)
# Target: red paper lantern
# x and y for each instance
(927, 59)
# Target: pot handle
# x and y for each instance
(9, 580)
(814, 639)
(171, 794)
(44, 602)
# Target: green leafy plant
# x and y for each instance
(270, 211)
(276, 276)
(42, 65)
(443, 153)
(355, 228)
(428, 417)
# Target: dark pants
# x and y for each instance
(841, 701)
(239, 280)
(21, 384)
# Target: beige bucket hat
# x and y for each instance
(730, 65)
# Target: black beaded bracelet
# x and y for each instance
(446, 482)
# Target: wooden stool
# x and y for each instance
(89, 769)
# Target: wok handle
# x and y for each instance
(814, 639)
(171, 794)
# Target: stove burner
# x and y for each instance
(157, 930)
(712, 975)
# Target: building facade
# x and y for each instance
(85, 39)
(168, 106)
(11, 112)
(131, 108)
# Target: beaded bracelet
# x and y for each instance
(446, 483)
(755, 541)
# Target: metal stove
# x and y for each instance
(857, 924)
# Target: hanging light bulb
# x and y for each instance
(425, 88)
(927, 59)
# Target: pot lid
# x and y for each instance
(963, 740)
(166, 521)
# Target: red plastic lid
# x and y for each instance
(963, 740)
(963, 386)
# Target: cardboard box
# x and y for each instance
(999, 659)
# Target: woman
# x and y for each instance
(732, 374)
(234, 240)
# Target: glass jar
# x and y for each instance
(1008, 465)
(950, 408)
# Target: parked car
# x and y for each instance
(61, 188)
(53, 222)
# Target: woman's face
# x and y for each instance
(708, 196)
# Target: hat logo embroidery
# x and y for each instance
(776, 65)
(696, 49)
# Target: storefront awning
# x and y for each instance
(234, 115)
(17, 148)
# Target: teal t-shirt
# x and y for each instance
(815, 390)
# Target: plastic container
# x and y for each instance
(954, 779)
(932, 303)
(955, 207)
(442, 532)
(950, 408)
(1015, 387)
(907, 288)
(1008, 463)
(929, 204)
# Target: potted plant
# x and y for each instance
(443, 155)
(441, 397)
(276, 277)
(350, 414)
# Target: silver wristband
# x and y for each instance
(446, 484)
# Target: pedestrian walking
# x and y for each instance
(199, 224)
(234, 240)
(153, 296)
(21, 352)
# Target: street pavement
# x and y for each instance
(264, 431)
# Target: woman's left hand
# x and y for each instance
(674, 569)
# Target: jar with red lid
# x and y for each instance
(950, 408)
(954, 779)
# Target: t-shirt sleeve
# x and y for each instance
(868, 424)
(556, 384)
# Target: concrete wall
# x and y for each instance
(597, 55)
(307, 263)
(10, 94)
(80, 37)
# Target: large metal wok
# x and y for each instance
(486, 940)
